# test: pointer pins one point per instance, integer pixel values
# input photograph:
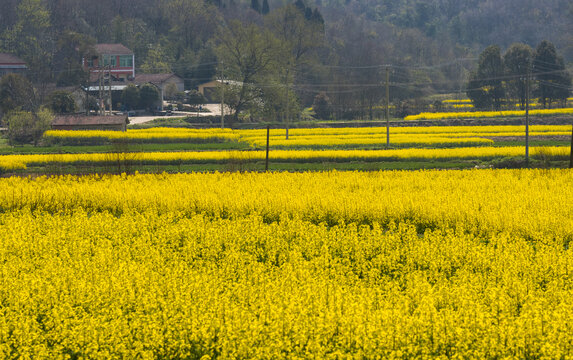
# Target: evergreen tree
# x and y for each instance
(266, 9)
(486, 87)
(255, 5)
(549, 69)
(300, 5)
(317, 17)
(517, 61)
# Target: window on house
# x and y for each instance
(126, 61)
(109, 60)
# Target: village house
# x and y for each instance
(113, 69)
(11, 64)
(111, 59)
(209, 89)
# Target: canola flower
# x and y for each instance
(14, 162)
(457, 101)
(145, 135)
(393, 265)
(421, 130)
(361, 140)
(488, 114)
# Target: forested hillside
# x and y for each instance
(337, 49)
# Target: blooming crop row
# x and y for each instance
(363, 140)
(393, 265)
(421, 130)
(142, 135)
(487, 114)
(13, 162)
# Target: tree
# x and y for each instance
(517, 61)
(16, 93)
(25, 127)
(157, 61)
(554, 81)
(266, 9)
(196, 98)
(148, 96)
(130, 97)
(255, 5)
(192, 23)
(486, 85)
(247, 52)
(170, 92)
(31, 38)
(477, 93)
(62, 102)
(298, 38)
(72, 48)
(322, 106)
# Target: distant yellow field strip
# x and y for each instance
(487, 114)
(335, 140)
(12, 162)
(423, 130)
(147, 134)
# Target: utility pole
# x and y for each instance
(87, 103)
(527, 119)
(286, 104)
(387, 106)
(268, 145)
(571, 151)
(109, 93)
(100, 91)
(222, 99)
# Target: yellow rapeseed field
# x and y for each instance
(15, 162)
(146, 135)
(488, 114)
(382, 265)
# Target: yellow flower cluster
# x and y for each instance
(11, 162)
(421, 130)
(487, 114)
(424, 136)
(389, 265)
(363, 140)
(146, 135)
(462, 106)
(457, 101)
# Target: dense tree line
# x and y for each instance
(332, 51)
(518, 74)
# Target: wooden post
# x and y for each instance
(268, 143)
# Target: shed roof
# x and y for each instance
(112, 49)
(79, 120)
(9, 59)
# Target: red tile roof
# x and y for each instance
(112, 49)
(10, 59)
(89, 120)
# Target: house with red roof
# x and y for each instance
(113, 60)
(10, 64)
(112, 69)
